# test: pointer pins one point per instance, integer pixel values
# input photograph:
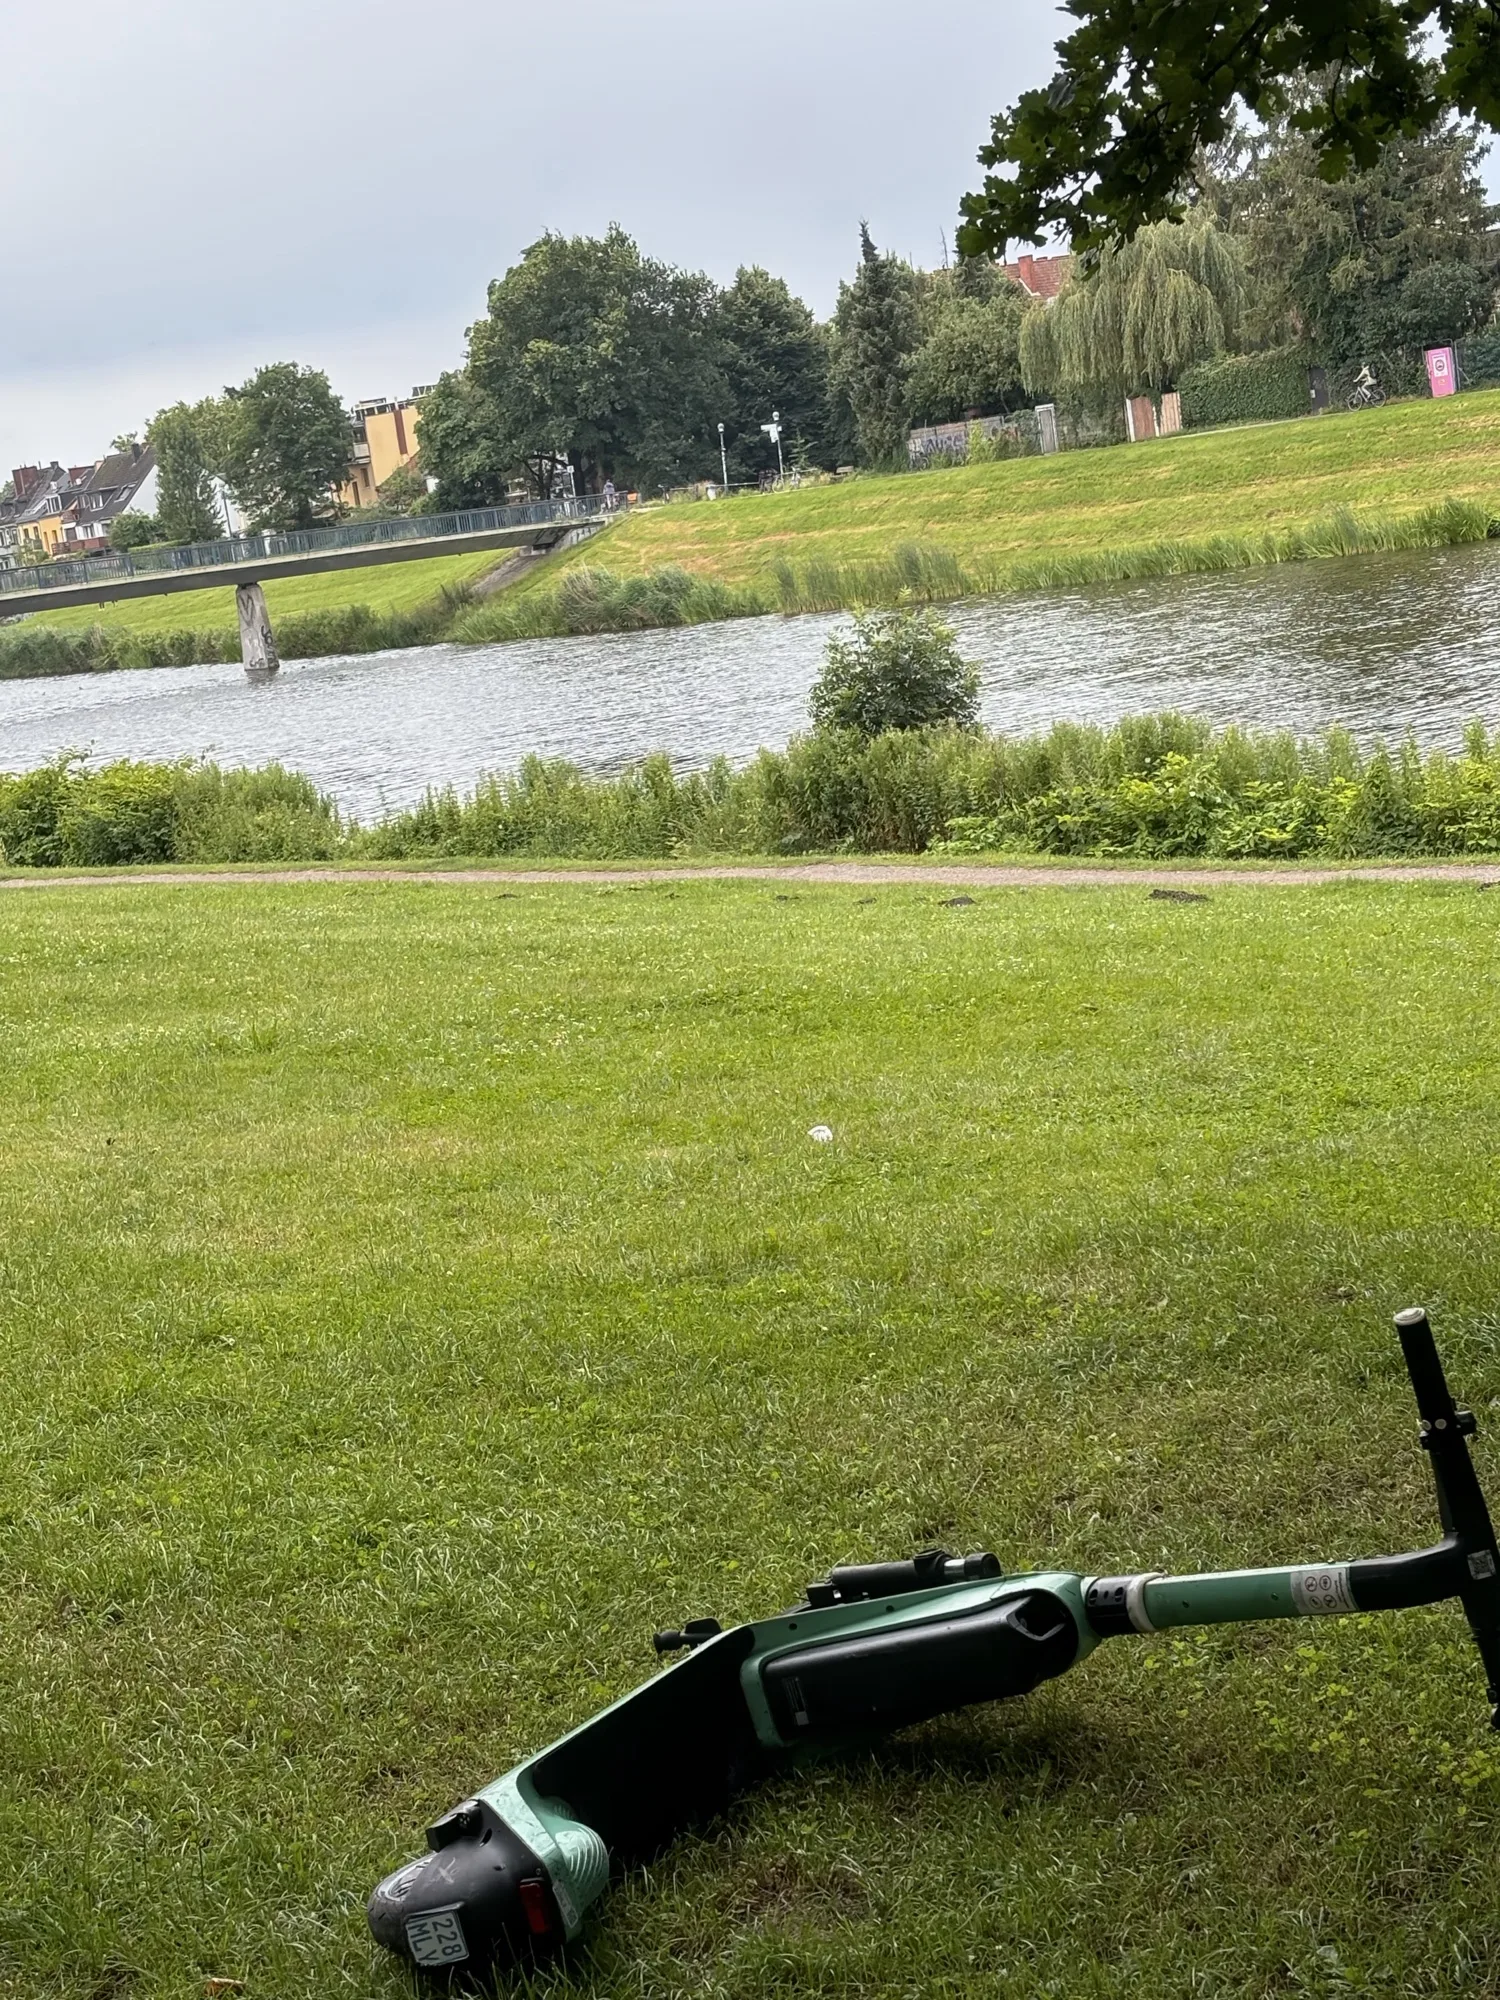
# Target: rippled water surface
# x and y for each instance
(1381, 643)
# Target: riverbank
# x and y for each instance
(399, 1278)
(1152, 787)
(1412, 475)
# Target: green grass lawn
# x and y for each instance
(397, 586)
(412, 1297)
(1230, 482)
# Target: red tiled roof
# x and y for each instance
(1043, 277)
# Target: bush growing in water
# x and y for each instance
(895, 670)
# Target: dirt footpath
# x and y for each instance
(857, 874)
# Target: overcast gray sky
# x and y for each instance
(195, 187)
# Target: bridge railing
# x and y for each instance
(268, 544)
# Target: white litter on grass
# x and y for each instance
(822, 1133)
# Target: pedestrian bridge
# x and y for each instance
(258, 558)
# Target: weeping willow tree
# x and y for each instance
(1145, 312)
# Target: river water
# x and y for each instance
(1383, 643)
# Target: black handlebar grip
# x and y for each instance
(1429, 1383)
(1461, 1503)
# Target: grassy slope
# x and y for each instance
(1233, 482)
(384, 587)
(1241, 481)
(414, 1297)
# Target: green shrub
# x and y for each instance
(1152, 787)
(894, 670)
(1169, 786)
(126, 812)
(1246, 388)
(133, 531)
(129, 814)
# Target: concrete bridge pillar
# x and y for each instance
(257, 640)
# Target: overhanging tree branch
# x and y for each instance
(1143, 85)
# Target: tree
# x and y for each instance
(1139, 317)
(877, 328)
(896, 670)
(403, 492)
(288, 444)
(183, 439)
(134, 531)
(592, 353)
(465, 446)
(1395, 257)
(969, 358)
(1141, 87)
(772, 355)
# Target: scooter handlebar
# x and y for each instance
(1446, 1431)
(1424, 1365)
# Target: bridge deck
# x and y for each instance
(158, 583)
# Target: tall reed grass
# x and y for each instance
(597, 600)
(29, 650)
(593, 599)
(1153, 786)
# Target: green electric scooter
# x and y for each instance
(876, 1646)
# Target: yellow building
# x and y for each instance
(44, 493)
(385, 437)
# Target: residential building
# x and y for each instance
(1043, 277)
(10, 532)
(385, 437)
(69, 510)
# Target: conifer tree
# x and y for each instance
(877, 327)
(773, 356)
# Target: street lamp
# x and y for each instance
(723, 460)
(773, 432)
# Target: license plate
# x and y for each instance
(437, 1938)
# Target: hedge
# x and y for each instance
(1245, 388)
(1479, 360)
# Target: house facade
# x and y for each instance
(385, 437)
(69, 510)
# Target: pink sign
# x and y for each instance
(1442, 371)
